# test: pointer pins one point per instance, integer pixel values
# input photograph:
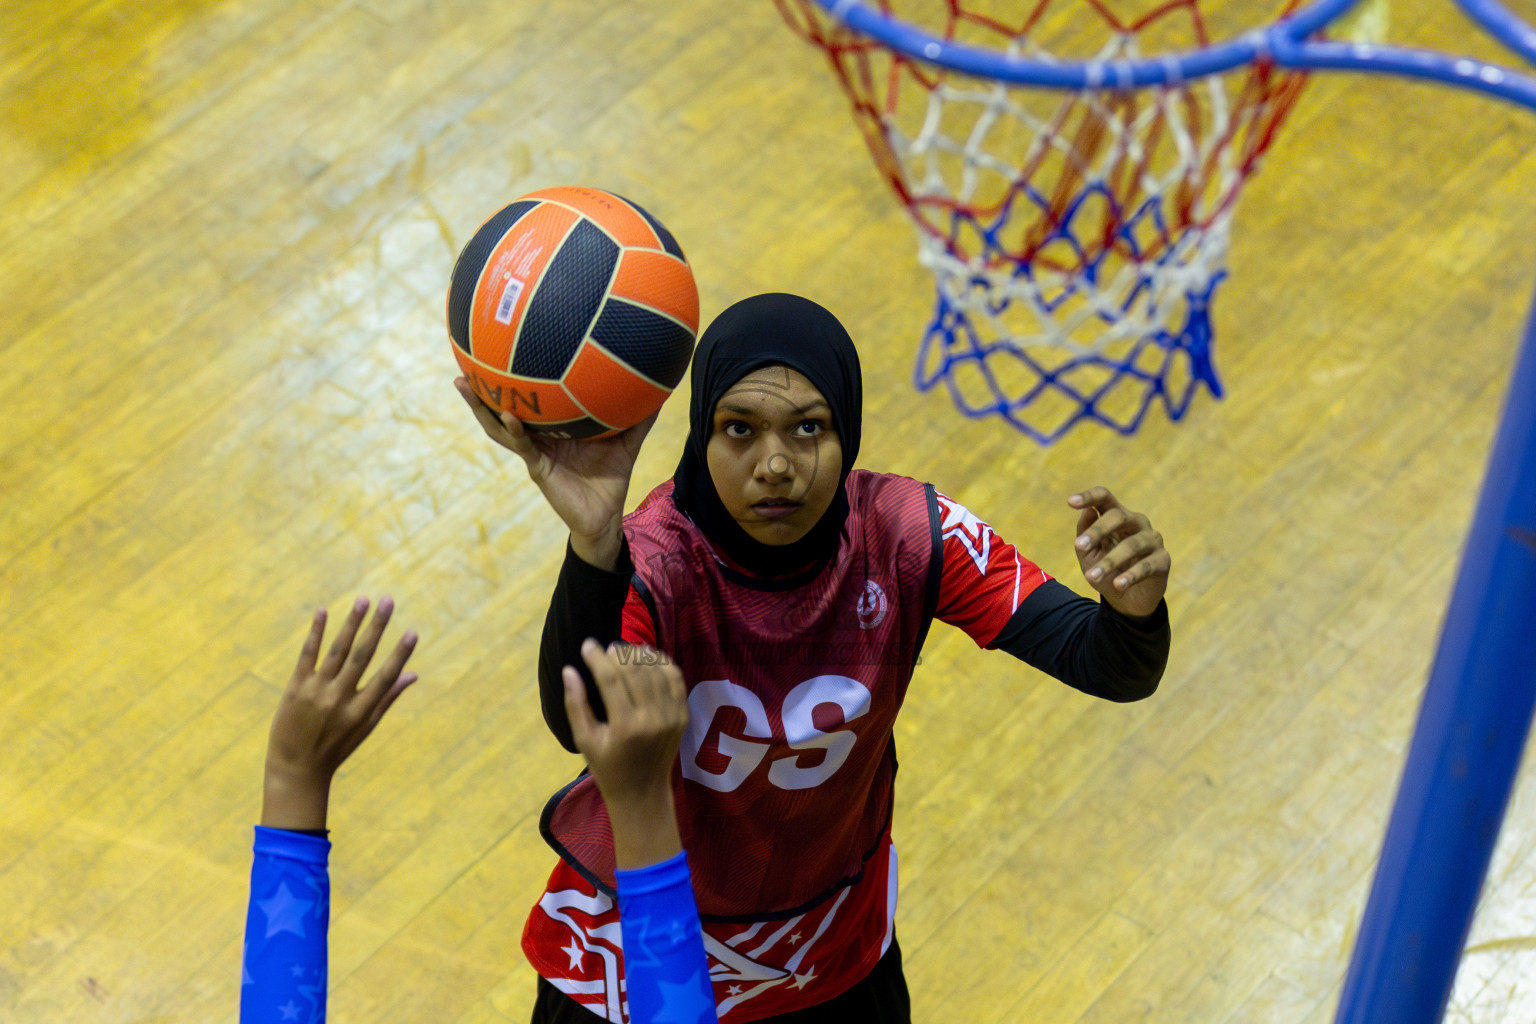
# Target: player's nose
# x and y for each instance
(775, 464)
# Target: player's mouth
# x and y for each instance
(775, 508)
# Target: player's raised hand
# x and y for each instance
(632, 753)
(1121, 555)
(324, 714)
(585, 482)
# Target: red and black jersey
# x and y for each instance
(785, 773)
(784, 785)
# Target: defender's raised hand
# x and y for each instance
(585, 482)
(324, 715)
(631, 755)
(1121, 555)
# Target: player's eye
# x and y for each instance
(735, 428)
(810, 428)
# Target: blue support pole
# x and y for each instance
(1466, 748)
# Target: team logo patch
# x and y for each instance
(872, 605)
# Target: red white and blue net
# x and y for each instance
(1076, 237)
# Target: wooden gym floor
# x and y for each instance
(225, 231)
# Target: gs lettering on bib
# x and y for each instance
(797, 724)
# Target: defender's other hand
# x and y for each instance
(324, 715)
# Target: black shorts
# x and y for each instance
(881, 998)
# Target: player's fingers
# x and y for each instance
(577, 711)
(389, 672)
(1149, 566)
(368, 640)
(1132, 524)
(337, 655)
(534, 449)
(605, 673)
(1156, 565)
(517, 437)
(663, 681)
(1094, 497)
(1126, 557)
(484, 414)
(392, 694)
(1101, 536)
(310, 652)
(502, 427)
(628, 667)
(1116, 558)
(660, 696)
(643, 673)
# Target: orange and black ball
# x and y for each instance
(575, 310)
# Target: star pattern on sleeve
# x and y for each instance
(285, 912)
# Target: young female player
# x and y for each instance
(324, 715)
(795, 593)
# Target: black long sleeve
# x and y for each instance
(1088, 645)
(588, 602)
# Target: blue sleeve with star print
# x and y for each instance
(284, 972)
(665, 972)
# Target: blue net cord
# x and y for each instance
(1126, 290)
(952, 345)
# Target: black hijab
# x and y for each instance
(769, 329)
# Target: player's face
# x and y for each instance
(773, 454)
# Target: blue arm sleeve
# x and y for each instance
(665, 970)
(283, 973)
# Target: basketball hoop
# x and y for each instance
(1076, 238)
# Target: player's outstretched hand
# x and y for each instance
(631, 755)
(324, 714)
(585, 482)
(1121, 555)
